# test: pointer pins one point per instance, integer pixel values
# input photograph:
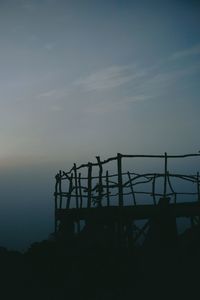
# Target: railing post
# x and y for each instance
(198, 188)
(131, 186)
(120, 183)
(165, 176)
(76, 184)
(89, 184)
(60, 189)
(107, 189)
(100, 191)
(69, 191)
(80, 190)
(56, 203)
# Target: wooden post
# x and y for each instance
(198, 188)
(165, 176)
(89, 185)
(60, 189)
(120, 192)
(100, 182)
(120, 183)
(80, 190)
(76, 185)
(153, 189)
(69, 191)
(56, 203)
(175, 197)
(107, 189)
(134, 200)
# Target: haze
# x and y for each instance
(86, 78)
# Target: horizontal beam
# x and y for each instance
(139, 212)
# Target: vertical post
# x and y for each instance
(132, 191)
(76, 185)
(80, 190)
(100, 181)
(56, 203)
(89, 185)
(175, 197)
(60, 189)
(107, 189)
(198, 188)
(120, 183)
(69, 191)
(153, 189)
(165, 176)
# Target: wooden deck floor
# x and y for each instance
(138, 212)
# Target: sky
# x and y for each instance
(86, 78)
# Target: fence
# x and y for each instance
(73, 189)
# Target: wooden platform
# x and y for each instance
(139, 212)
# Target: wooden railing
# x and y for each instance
(73, 189)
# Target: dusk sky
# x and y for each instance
(86, 78)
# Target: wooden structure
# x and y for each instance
(94, 197)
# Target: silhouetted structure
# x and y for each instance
(105, 207)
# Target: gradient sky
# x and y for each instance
(86, 78)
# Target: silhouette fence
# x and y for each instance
(98, 190)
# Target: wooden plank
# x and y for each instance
(138, 212)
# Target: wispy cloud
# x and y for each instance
(144, 86)
(47, 94)
(159, 83)
(194, 50)
(111, 77)
(133, 82)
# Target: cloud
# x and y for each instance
(47, 94)
(137, 84)
(148, 85)
(110, 78)
(193, 51)
(110, 106)
(159, 82)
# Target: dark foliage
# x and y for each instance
(63, 270)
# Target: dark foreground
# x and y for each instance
(74, 270)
